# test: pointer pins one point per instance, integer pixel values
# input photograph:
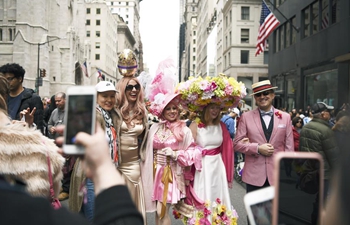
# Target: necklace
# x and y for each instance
(164, 134)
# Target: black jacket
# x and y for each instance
(112, 207)
(31, 99)
(317, 136)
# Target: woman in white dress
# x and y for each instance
(212, 182)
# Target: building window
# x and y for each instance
(294, 34)
(87, 22)
(277, 40)
(194, 33)
(245, 13)
(0, 34)
(194, 58)
(194, 41)
(194, 49)
(288, 34)
(266, 57)
(315, 17)
(88, 10)
(98, 11)
(87, 33)
(335, 11)
(98, 22)
(322, 87)
(230, 36)
(283, 35)
(97, 45)
(245, 36)
(306, 22)
(244, 56)
(324, 14)
(229, 59)
(97, 56)
(230, 16)
(98, 33)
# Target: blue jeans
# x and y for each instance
(88, 207)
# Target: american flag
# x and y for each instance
(268, 22)
(84, 68)
(100, 76)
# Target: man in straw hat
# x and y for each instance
(269, 131)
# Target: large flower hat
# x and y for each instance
(162, 89)
(222, 90)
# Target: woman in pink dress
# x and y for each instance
(169, 151)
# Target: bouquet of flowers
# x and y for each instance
(222, 90)
(218, 212)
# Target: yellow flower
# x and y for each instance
(233, 221)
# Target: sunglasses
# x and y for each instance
(265, 93)
(131, 87)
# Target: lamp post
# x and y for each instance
(38, 78)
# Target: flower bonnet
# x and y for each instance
(198, 92)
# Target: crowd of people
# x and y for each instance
(164, 153)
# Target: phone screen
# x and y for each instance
(79, 116)
(298, 191)
(262, 213)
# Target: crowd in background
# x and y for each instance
(164, 155)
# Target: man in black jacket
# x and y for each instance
(21, 98)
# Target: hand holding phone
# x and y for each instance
(258, 205)
(298, 185)
(80, 116)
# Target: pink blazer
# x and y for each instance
(258, 167)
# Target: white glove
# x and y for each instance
(169, 152)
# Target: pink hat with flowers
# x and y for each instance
(162, 88)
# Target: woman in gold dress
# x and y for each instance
(132, 129)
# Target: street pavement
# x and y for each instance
(237, 192)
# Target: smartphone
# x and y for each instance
(80, 115)
(298, 188)
(258, 205)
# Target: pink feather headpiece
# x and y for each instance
(162, 88)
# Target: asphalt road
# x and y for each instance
(237, 192)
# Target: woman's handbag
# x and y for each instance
(56, 204)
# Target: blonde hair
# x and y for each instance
(4, 91)
(139, 109)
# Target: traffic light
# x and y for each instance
(42, 73)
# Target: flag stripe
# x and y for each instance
(268, 23)
(84, 68)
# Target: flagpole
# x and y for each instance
(297, 29)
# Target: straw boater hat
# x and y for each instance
(262, 86)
